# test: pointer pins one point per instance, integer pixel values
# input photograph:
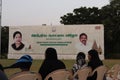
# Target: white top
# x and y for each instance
(83, 48)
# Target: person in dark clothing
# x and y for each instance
(24, 63)
(2, 74)
(94, 62)
(1, 68)
(50, 63)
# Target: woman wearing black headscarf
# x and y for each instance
(50, 63)
(94, 62)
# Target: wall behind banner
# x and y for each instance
(64, 38)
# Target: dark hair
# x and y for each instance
(80, 55)
(50, 54)
(80, 59)
(94, 60)
(17, 32)
(94, 54)
(82, 35)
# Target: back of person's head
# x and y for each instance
(23, 63)
(80, 59)
(80, 55)
(93, 54)
(50, 54)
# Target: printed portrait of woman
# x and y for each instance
(17, 37)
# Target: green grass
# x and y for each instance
(37, 63)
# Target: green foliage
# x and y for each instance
(108, 15)
(111, 19)
(82, 15)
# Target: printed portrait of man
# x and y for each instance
(83, 45)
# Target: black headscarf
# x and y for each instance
(50, 63)
(50, 54)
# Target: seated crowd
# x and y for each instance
(94, 69)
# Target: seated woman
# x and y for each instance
(50, 63)
(24, 63)
(80, 63)
(94, 62)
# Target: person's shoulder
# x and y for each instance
(61, 62)
(89, 44)
(74, 65)
(13, 44)
(84, 66)
(90, 63)
(79, 43)
(22, 44)
(101, 62)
